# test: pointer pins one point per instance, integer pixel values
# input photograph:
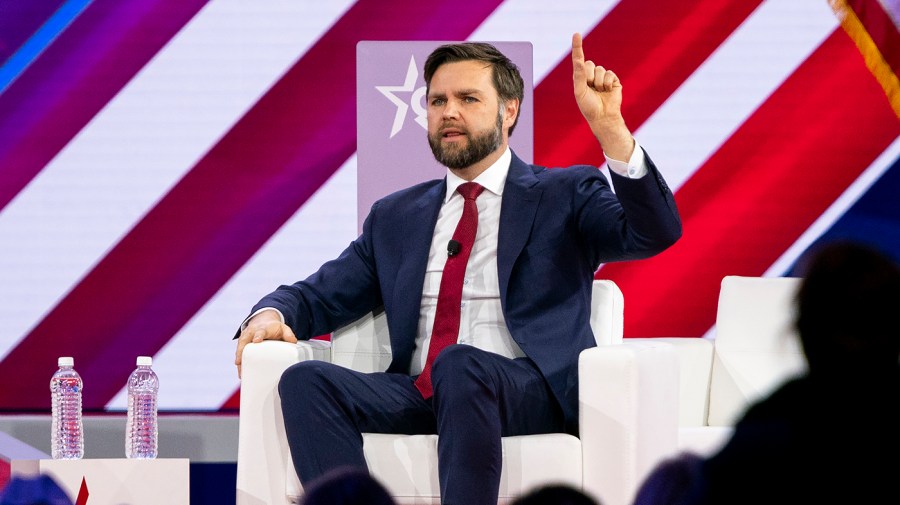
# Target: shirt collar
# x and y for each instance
(493, 179)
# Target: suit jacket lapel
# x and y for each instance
(520, 201)
(417, 231)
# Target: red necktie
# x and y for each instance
(446, 317)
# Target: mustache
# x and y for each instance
(452, 126)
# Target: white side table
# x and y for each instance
(116, 481)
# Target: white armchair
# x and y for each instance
(755, 348)
(598, 461)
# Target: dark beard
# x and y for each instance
(480, 146)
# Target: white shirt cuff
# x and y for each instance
(635, 168)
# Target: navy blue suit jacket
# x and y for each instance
(556, 227)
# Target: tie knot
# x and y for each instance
(470, 190)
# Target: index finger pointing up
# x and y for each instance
(577, 51)
(579, 74)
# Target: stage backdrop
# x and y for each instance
(164, 163)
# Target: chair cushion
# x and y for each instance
(407, 465)
(703, 440)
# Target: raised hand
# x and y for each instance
(598, 93)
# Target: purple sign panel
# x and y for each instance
(391, 128)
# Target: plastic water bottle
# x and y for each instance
(66, 426)
(141, 428)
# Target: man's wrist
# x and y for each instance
(634, 168)
(260, 311)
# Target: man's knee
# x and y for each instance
(456, 356)
(308, 375)
(459, 366)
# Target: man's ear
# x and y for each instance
(510, 112)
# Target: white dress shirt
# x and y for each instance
(481, 316)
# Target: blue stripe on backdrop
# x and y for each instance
(873, 219)
(19, 19)
(42, 38)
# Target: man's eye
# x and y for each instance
(438, 101)
(470, 99)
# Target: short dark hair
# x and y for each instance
(507, 79)
(346, 486)
(555, 494)
(847, 307)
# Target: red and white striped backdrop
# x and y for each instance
(164, 163)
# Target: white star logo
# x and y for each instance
(415, 99)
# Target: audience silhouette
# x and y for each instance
(555, 494)
(346, 486)
(671, 480)
(831, 435)
(35, 490)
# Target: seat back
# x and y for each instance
(365, 345)
(756, 346)
(607, 312)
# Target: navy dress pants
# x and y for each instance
(479, 397)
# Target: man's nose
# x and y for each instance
(451, 109)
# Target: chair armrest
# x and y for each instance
(263, 454)
(628, 415)
(695, 360)
(607, 312)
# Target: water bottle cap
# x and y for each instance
(65, 361)
(144, 361)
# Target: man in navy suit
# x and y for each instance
(526, 298)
